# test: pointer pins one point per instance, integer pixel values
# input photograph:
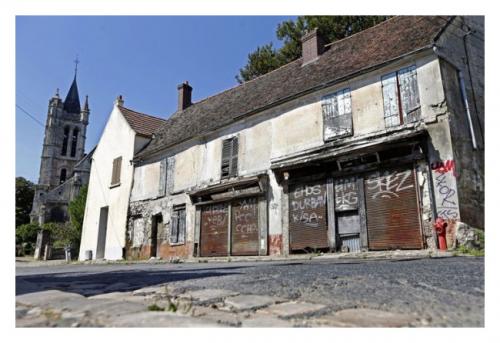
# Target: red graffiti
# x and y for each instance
(444, 166)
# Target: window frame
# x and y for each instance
(336, 107)
(116, 172)
(396, 77)
(178, 226)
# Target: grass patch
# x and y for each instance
(172, 307)
(471, 251)
(155, 307)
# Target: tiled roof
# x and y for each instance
(143, 124)
(384, 42)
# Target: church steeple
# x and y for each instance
(72, 101)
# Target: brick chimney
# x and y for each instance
(184, 97)
(313, 46)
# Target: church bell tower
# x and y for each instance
(63, 145)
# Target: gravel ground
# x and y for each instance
(440, 291)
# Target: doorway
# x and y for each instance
(101, 235)
(156, 228)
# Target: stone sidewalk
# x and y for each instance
(373, 255)
(166, 306)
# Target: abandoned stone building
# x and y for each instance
(64, 166)
(361, 144)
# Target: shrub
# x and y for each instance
(27, 233)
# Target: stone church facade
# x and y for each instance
(64, 166)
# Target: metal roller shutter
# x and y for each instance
(244, 227)
(392, 210)
(214, 230)
(308, 221)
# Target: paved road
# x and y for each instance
(439, 291)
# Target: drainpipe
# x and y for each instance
(466, 103)
(464, 38)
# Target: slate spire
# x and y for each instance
(72, 101)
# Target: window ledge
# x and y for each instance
(115, 185)
(176, 244)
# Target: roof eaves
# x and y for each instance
(293, 96)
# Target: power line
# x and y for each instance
(29, 115)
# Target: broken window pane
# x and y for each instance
(337, 115)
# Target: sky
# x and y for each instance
(141, 58)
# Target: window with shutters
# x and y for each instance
(337, 114)
(401, 98)
(178, 227)
(115, 174)
(229, 165)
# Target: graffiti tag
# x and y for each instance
(389, 185)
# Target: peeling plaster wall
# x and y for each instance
(295, 127)
(468, 163)
(140, 223)
(146, 182)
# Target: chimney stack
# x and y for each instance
(313, 45)
(184, 97)
(119, 101)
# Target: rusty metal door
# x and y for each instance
(244, 227)
(392, 210)
(308, 218)
(214, 230)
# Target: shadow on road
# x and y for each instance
(88, 284)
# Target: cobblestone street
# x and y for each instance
(421, 292)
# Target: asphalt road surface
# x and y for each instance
(440, 291)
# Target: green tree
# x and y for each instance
(27, 233)
(76, 211)
(62, 234)
(290, 32)
(25, 190)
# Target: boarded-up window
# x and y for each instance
(115, 174)
(178, 227)
(401, 98)
(229, 166)
(337, 114)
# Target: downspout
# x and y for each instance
(469, 31)
(466, 103)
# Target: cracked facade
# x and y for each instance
(356, 146)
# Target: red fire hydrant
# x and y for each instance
(440, 227)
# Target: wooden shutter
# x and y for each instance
(115, 174)
(337, 114)
(410, 100)
(234, 157)
(391, 101)
(162, 185)
(229, 165)
(226, 158)
(174, 228)
(182, 225)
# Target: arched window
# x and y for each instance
(62, 177)
(74, 140)
(65, 141)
